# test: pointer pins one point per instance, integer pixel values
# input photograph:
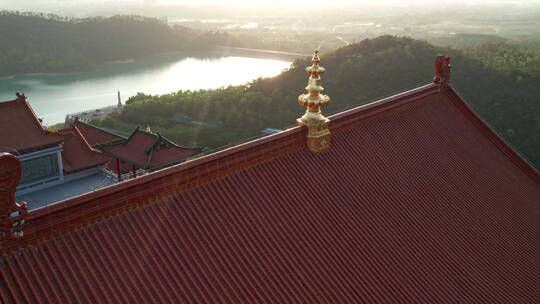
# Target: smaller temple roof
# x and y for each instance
(21, 130)
(78, 154)
(147, 150)
(95, 135)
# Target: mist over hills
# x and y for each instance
(266, 8)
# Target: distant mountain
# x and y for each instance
(357, 74)
(35, 43)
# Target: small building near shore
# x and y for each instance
(97, 114)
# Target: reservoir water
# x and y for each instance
(52, 97)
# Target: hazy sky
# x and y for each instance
(29, 3)
(58, 5)
(319, 2)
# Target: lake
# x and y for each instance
(52, 97)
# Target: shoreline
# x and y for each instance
(132, 60)
(11, 77)
(129, 60)
(52, 74)
(263, 51)
(53, 116)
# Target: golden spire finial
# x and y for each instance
(317, 124)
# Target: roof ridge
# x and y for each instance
(152, 148)
(149, 154)
(97, 128)
(159, 139)
(7, 102)
(23, 130)
(497, 140)
(37, 120)
(80, 211)
(343, 118)
(78, 132)
(132, 134)
(172, 143)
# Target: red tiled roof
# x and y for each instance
(78, 154)
(95, 135)
(147, 150)
(21, 131)
(417, 201)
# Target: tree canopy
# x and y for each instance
(357, 74)
(37, 43)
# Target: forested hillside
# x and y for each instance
(357, 74)
(34, 43)
(519, 60)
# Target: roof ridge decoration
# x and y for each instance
(22, 98)
(96, 127)
(318, 138)
(12, 214)
(155, 146)
(158, 142)
(78, 132)
(442, 70)
(126, 140)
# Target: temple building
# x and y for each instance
(39, 149)
(408, 199)
(137, 154)
(144, 150)
(65, 163)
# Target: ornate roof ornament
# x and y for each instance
(20, 96)
(442, 70)
(318, 133)
(12, 214)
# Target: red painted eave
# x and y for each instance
(78, 155)
(94, 135)
(22, 132)
(136, 151)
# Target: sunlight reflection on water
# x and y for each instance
(52, 97)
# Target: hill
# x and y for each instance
(34, 43)
(357, 74)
